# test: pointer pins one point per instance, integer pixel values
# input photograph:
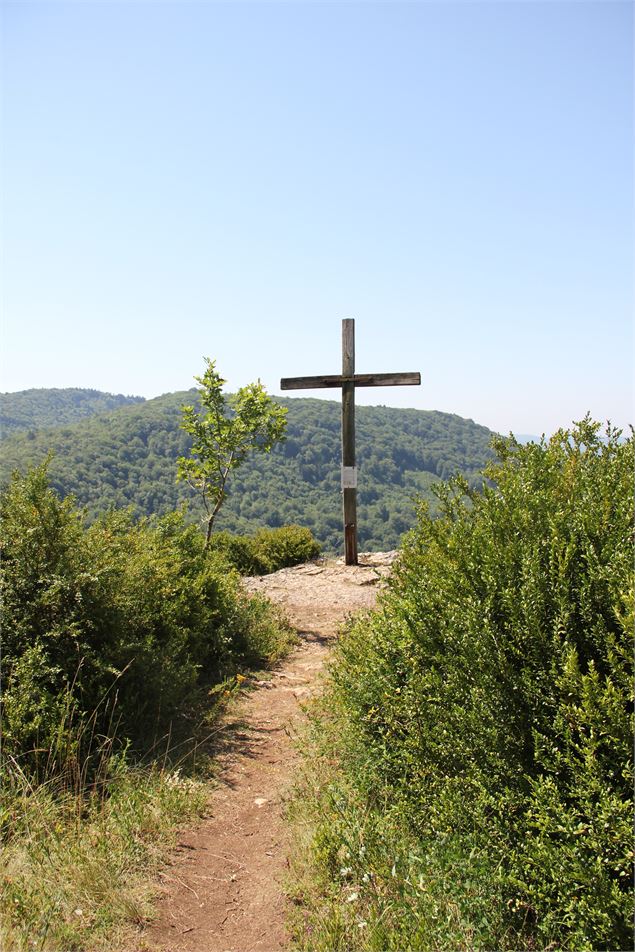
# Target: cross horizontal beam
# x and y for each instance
(358, 380)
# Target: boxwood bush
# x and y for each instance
(267, 550)
(112, 629)
(482, 719)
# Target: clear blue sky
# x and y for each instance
(230, 180)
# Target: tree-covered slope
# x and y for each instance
(128, 457)
(33, 409)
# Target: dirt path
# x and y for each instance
(222, 891)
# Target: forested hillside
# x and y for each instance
(127, 456)
(34, 409)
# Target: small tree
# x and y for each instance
(224, 431)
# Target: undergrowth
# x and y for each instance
(267, 550)
(121, 643)
(470, 781)
(79, 865)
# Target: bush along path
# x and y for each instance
(120, 642)
(223, 890)
(470, 777)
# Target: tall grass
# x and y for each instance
(79, 862)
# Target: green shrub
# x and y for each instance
(239, 551)
(118, 641)
(266, 551)
(286, 546)
(114, 628)
(483, 719)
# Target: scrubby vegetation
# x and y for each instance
(127, 457)
(470, 778)
(267, 550)
(118, 638)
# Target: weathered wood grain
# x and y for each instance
(326, 381)
(348, 439)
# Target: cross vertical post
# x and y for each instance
(349, 472)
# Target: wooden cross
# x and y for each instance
(348, 380)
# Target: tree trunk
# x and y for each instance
(208, 534)
(210, 521)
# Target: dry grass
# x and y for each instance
(79, 869)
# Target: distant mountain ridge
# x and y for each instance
(125, 455)
(44, 407)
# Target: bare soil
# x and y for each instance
(222, 891)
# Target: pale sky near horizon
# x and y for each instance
(189, 179)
